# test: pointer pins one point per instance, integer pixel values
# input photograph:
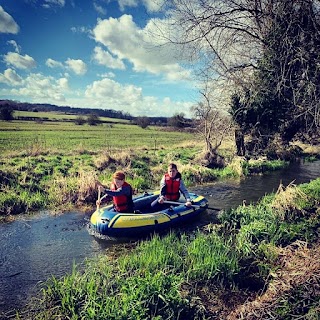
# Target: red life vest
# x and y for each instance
(172, 187)
(122, 203)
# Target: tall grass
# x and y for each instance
(143, 285)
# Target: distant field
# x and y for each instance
(24, 136)
(60, 116)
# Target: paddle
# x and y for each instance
(174, 202)
(153, 203)
(99, 199)
(99, 194)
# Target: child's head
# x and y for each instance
(118, 178)
(172, 170)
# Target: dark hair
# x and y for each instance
(172, 166)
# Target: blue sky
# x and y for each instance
(92, 53)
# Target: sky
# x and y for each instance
(92, 54)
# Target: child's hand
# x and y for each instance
(188, 204)
(161, 200)
(101, 188)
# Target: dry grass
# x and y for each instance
(87, 187)
(285, 200)
(309, 149)
(237, 165)
(300, 269)
(119, 159)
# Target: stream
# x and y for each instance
(35, 248)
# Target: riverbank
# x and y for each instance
(243, 264)
(41, 169)
(60, 182)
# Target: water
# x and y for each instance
(35, 248)
(232, 193)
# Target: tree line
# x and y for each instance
(88, 115)
(39, 107)
(91, 116)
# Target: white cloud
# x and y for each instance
(11, 78)
(7, 23)
(108, 93)
(107, 75)
(99, 9)
(150, 5)
(126, 40)
(53, 63)
(105, 93)
(127, 3)
(15, 45)
(38, 88)
(21, 62)
(106, 59)
(151, 107)
(153, 5)
(63, 83)
(80, 30)
(77, 66)
(113, 92)
(52, 3)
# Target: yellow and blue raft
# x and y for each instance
(146, 218)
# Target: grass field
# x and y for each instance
(67, 137)
(45, 163)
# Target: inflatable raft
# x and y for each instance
(146, 218)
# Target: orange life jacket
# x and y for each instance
(122, 203)
(172, 187)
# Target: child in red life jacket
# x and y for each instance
(171, 184)
(121, 193)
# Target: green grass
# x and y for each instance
(57, 163)
(260, 166)
(65, 137)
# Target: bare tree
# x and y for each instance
(212, 125)
(227, 34)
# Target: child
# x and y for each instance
(121, 193)
(171, 184)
